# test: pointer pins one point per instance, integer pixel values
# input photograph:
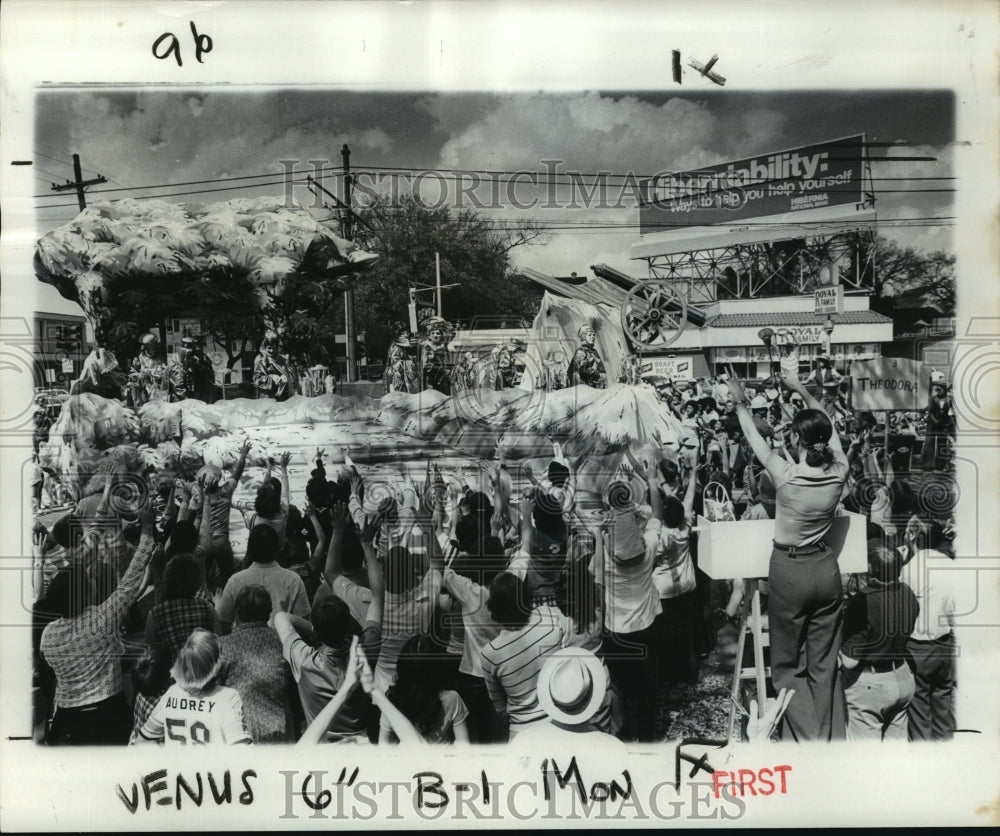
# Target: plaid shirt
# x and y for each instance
(174, 621)
(85, 652)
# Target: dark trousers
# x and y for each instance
(632, 660)
(485, 725)
(104, 723)
(676, 636)
(804, 602)
(932, 710)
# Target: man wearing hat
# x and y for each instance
(823, 373)
(587, 367)
(271, 374)
(190, 375)
(573, 687)
(759, 407)
(146, 372)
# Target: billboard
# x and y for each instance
(780, 183)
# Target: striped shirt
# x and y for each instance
(807, 498)
(407, 614)
(512, 662)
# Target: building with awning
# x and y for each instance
(714, 334)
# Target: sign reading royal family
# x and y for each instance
(780, 183)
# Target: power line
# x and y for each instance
(44, 171)
(196, 191)
(544, 177)
(54, 159)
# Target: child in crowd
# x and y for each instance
(196, 709)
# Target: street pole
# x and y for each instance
(437, 269)
(79, 184)
(349, 347)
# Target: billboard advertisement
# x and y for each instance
(780, 183)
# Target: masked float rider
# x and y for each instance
(271, 372)
(191, 374)
(505, 365)
(147, 373)
(587, 367)
(434, 357)
(400, 367)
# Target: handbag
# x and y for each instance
(718, 505)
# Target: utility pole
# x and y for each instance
(79, 184)
(351, 350)
(437, 270)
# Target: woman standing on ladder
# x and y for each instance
(804, 588)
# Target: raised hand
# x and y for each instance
(339, 516)
(145, 513)
(371, 529)
(284, 459)
(736, 386)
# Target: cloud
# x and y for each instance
(160, 137)
(588, 132)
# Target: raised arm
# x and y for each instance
(404, 729)
(319, 553)
(339, 522)
(241, 463)
(114, 608)
(761, 449)
(527, 527)
(376, 579)
(692, 488)
(316, 732)
(283, 461)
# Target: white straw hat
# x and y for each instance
(571, 685)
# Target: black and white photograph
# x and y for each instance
(631, 441)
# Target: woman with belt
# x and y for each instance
(804, 588)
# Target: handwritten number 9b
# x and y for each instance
(168, 44)
(177, 730)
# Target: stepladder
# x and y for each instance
(754, 623)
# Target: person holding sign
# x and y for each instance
(804, 586)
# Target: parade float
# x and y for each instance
(246, 248)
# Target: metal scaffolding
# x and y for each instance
(776, 268)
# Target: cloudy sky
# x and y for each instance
(162, 139)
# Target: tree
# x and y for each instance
(475, 255)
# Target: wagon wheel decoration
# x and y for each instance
(654, 314)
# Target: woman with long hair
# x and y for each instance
(438, 715)
(804, 585)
